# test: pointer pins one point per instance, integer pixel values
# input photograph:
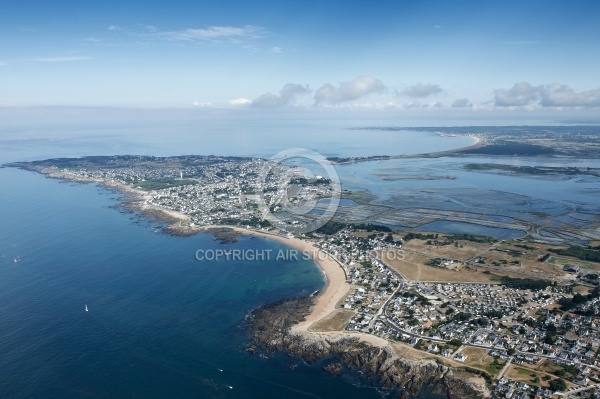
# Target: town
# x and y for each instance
(513, 328)
(524, 314)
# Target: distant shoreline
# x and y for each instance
(479, 142)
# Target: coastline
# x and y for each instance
(335, 289)
(353, 347)
(478, 142)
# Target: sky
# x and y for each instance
(503, 58)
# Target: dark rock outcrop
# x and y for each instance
(270, 328)
(224, 235)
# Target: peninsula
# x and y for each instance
(463, 315)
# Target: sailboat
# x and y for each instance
(86, 309)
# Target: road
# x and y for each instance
(501, 373)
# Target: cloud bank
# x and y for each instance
(349, 91)
(286, 96)
(549, 95)
(461, 103)
(420, 90)
(349, 94)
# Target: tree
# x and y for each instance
(558, 384)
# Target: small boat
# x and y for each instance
(86, 309)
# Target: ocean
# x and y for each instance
(160, 323)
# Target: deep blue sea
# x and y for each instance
(160, 323)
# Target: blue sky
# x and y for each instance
(404, 56)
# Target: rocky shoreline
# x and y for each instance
(270, 329)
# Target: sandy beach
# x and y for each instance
(336, 286)
(334, 291)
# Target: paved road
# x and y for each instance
(501, 373)
(569, 394)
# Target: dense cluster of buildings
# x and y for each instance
(523, 327)
(213, 190)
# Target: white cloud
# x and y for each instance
(276, 50)
(201, 104)
(240, 101)
(231, 34)
(549, 95)
(349, 91)
(420, 90)
(521, 93)
(558, 95)
(461, 103)
(114, 28)
(67, 58)
(286, 96)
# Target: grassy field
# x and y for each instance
(479, 358)
(334, 322)
(512, 257)
(467, 251)
(528, 374)
(413, 268)
(581, 289)
(519, 373)
(555, 260)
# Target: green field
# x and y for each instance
(564, 261)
